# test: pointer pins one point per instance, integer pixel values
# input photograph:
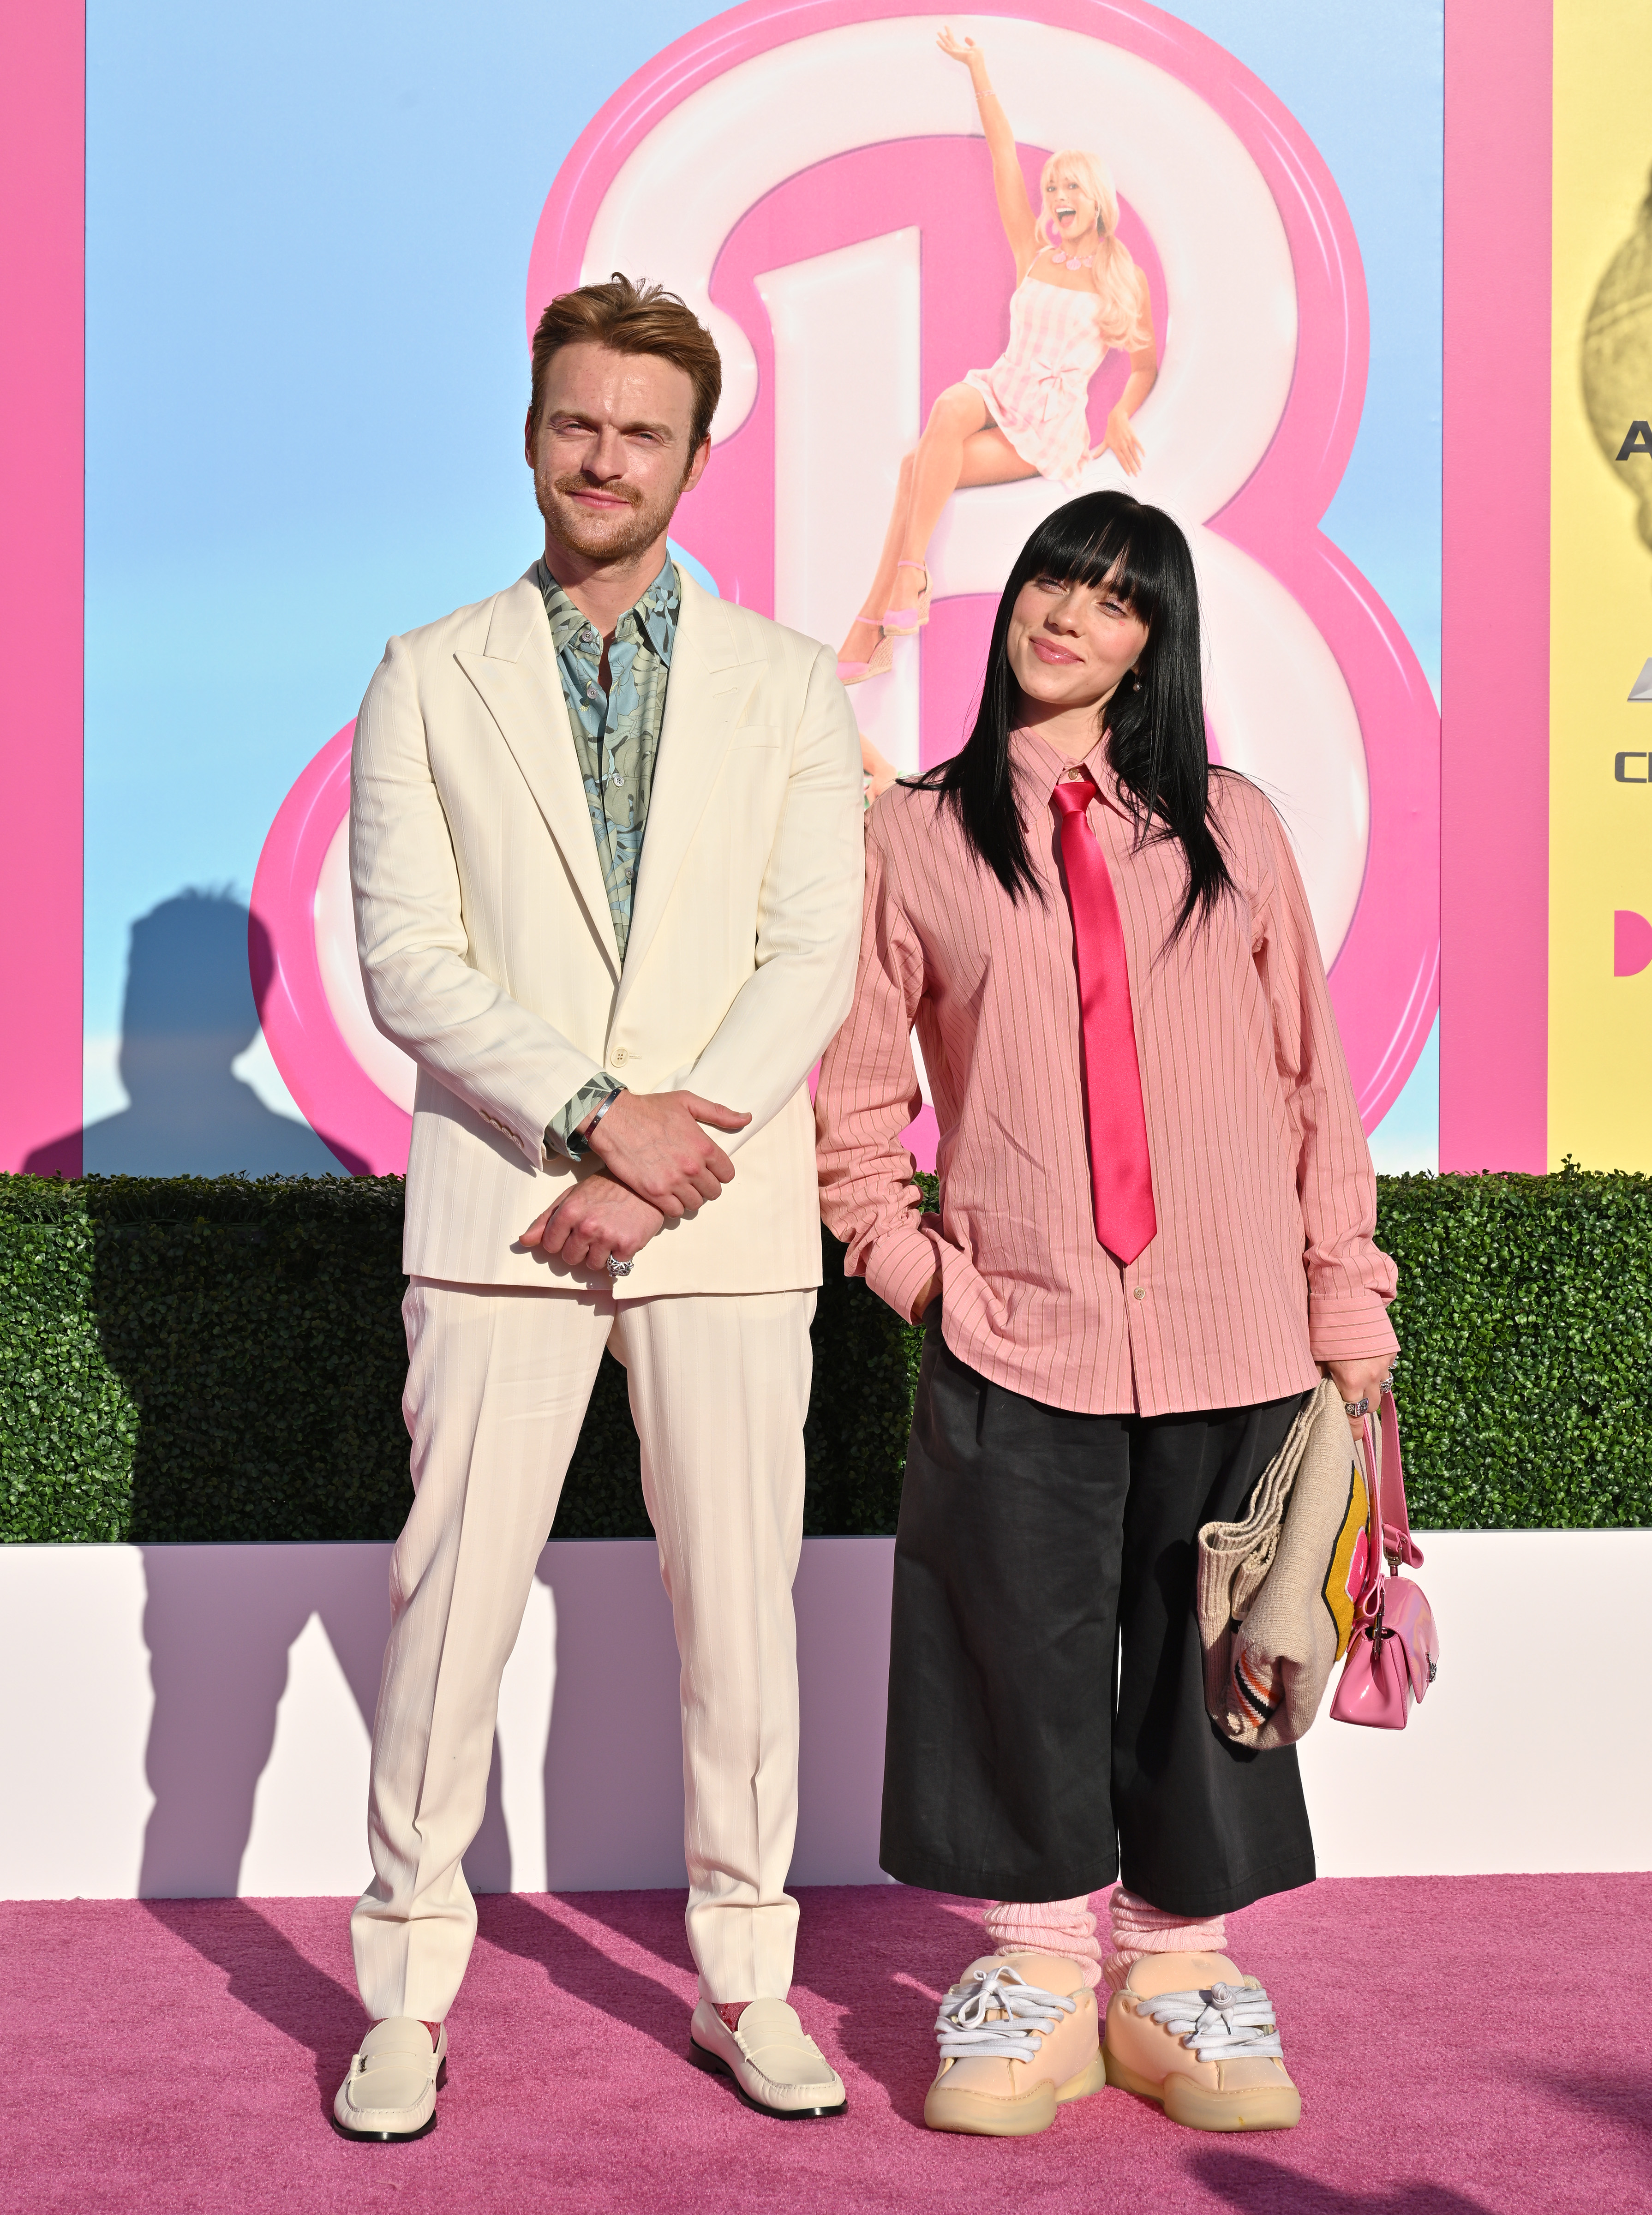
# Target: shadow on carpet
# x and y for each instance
(182, 2055)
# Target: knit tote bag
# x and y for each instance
(1277, 1591)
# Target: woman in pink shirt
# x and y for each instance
(1155, 1232)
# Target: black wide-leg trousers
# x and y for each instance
(1047, 1729)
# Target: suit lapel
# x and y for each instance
(520, 684)
(708, 689)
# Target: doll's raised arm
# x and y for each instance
(1016, 212)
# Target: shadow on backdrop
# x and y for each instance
(188, 1013)
(219, 1648)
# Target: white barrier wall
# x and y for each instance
(192, 1721)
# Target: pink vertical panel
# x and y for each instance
(1494, 1030)
(42, 425)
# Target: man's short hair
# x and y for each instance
(630, 318)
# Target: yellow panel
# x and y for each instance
(1600, 605)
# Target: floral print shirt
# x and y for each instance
(617, 737)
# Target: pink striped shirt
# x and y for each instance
(1263, 1265)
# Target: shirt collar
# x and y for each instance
(1042, 765)
(654, 615)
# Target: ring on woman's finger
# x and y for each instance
(1352, 1407)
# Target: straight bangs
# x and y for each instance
(1101, 541)
(1155, 726)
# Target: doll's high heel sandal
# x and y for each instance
(904, 621)
(882, 661)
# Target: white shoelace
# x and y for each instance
(1226, 2022)
(1020, 2014)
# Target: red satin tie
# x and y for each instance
(1121, 1175)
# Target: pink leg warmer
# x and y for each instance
(1062, 1927)
(1139, 1929)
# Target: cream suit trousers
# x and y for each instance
(498, 1380)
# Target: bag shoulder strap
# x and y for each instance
(1398, 1544)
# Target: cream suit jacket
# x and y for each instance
(489, 956)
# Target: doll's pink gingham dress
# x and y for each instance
(1038, 386)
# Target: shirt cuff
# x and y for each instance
(901, 1264)
(1343, 1329)
(563, 1124)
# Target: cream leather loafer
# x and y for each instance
(1188, 2031)
(390, 2091)
(1018, 2035)
(777, 2067)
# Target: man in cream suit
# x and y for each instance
(606, 848)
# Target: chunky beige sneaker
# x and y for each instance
(390, 2091)
(1188, 2031)
(1018, 2039)
(777, 2067)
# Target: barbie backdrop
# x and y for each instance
(314, 243)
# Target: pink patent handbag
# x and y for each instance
(1393, 1655)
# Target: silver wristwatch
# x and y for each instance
(579, 1143)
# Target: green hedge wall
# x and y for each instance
(194, 1358)
(219, 1359)
(1525, 1323)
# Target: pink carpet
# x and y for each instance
(1462, 2044)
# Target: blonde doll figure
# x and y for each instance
(1077, 293)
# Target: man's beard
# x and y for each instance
(604, 536)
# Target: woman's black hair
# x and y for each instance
(1155, 732)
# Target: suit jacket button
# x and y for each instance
(619, 1057)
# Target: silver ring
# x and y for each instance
(1349, 1407)
(619, 1268)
